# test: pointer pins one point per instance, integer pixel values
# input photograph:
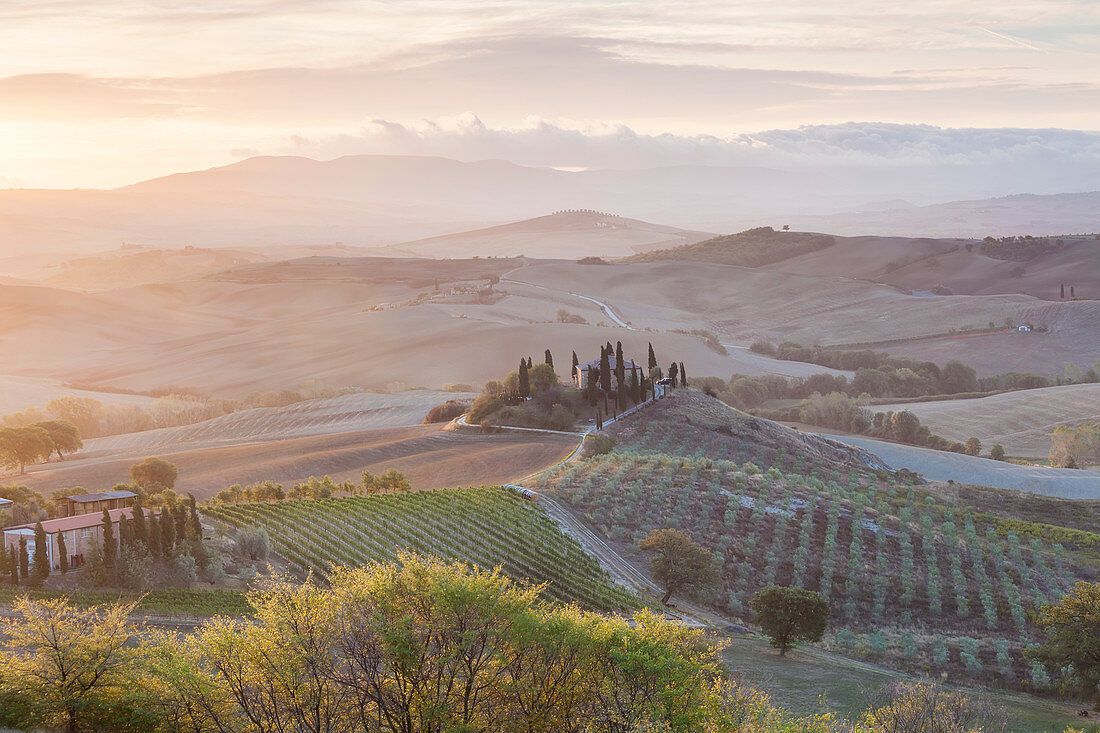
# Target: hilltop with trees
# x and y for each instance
(750, 248)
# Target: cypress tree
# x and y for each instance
(635, 386)
(125, 533)
(110, 544)
(1072, 294)
(672, 370)
(41, 553)
(194, 529)
(63, 553)
(179, 514)
(138, 526)
(13, 566)
(620, 367)
(683, 376)
(530, 364)
(524, 380)
(1062, 289)
(605, 374)
(24, 559)
(153, 539)
(652, 359)
(549, 358)
(167, 533)
(576, 362)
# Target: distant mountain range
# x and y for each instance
(380, 201)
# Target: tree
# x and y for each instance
(138, 526)
(154, 474)
(576, 363)
(973, 446)
(194, 526)
(24, 560)
(74, 669)
(997, 452)
(41, 554)
(62, 553)
(790, 615)
(652, 359)
(1072, 631)
(20, 446)
(110, 545)
(152, 538)
(1062, 291)
(167, 533)
(680, 562)
(957, 377)
(620, 367)
(922, 707)
(393, 480)
(426, 645)
(524, 380)
(64, 436)
(548, 358)
(672, 373)
(605, 373)
(683, 375)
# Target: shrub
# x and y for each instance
(446, 412)
(997, 452)
(252, 544)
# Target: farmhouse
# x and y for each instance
(96, 503)
(591, 370)
(80, 533)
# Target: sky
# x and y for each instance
(97, 93)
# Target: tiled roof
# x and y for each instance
(80, 521)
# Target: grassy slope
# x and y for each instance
(808, 679)
(751, 248)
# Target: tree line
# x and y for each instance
(427, 645)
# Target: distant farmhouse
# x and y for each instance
(590, 370)
(81, 522)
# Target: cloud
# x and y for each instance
(547, 143)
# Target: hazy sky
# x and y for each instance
(105, 92)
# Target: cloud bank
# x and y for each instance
(546, 143)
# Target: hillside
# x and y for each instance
(140, 266)
(956, 266)
(1001, 216)
(563, 234)
(1020, 421)
(917, 575)
(750, 248)
(430, 456)
(326, 416)
(488, 527)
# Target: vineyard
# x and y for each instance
(485, 526)
(891, 557)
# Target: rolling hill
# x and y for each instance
(750, 248)
(1020, 421)
(563, 234)
(372, 201)
(918, 575)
